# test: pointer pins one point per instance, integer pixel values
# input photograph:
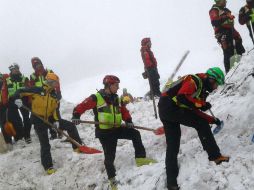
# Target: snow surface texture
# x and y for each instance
(233, 103)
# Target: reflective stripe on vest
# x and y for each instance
(221, 12)
(14, 86)
(108, 113)
(194, 95)
(39, 80)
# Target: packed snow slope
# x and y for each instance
(232, 103)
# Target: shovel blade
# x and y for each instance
(159, 131)
(234, 60)
(218, 128)
(88, 150)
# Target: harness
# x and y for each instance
(194, 95)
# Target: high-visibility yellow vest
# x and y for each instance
(39, 80)
(108, 113)
(194, 95)
(13, 86)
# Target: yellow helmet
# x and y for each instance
(126, 99)
(52, 76)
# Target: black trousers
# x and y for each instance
(71, 130)
(109, 143)
(226, 39)
(172, 116)
(26, 123)
(42, 132)
(2, 122)
(154, 77)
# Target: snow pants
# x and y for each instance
(109, 143)
(42, 132)
(154, 77)
(172, 116)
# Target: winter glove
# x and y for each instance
(56, 124)
(129, 124)
(206, 107)
(18, 103)
(231, 17)
(75, 118)
(217, 121)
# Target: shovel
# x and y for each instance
(83, 148)
(158, 131)
(218, 127)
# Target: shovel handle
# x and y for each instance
(54, 127)
(114, 124)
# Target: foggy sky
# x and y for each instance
(83, 38)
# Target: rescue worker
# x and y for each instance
(227, 36)
(246, 16)
(14, 82)
(150, 66)
(126, 97)
(3, 105)
(183, 103)
(44, 104)
(108, 108)
(37, 78)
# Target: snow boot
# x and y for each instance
(173, 188)
(28, 140)
(50, 170)
(144, 161)
(221, 159)
(113, 183)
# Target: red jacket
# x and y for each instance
(148, 57)
(4, 91)
(90, 103)
(184, 91)
(221, 18)
(244, 14)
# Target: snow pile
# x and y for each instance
(21, 168)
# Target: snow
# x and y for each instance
(20, 169)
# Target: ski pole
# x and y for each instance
(152, 95)
(252, 32)
(176, 70)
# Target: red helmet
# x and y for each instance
(110, 79)
(35, 61)
(145, 41)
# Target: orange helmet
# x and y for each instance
(9, 129)
(52, 76)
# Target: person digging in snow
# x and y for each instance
(37, 78)
(108, 108)
(45, 104)
(183, 103)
